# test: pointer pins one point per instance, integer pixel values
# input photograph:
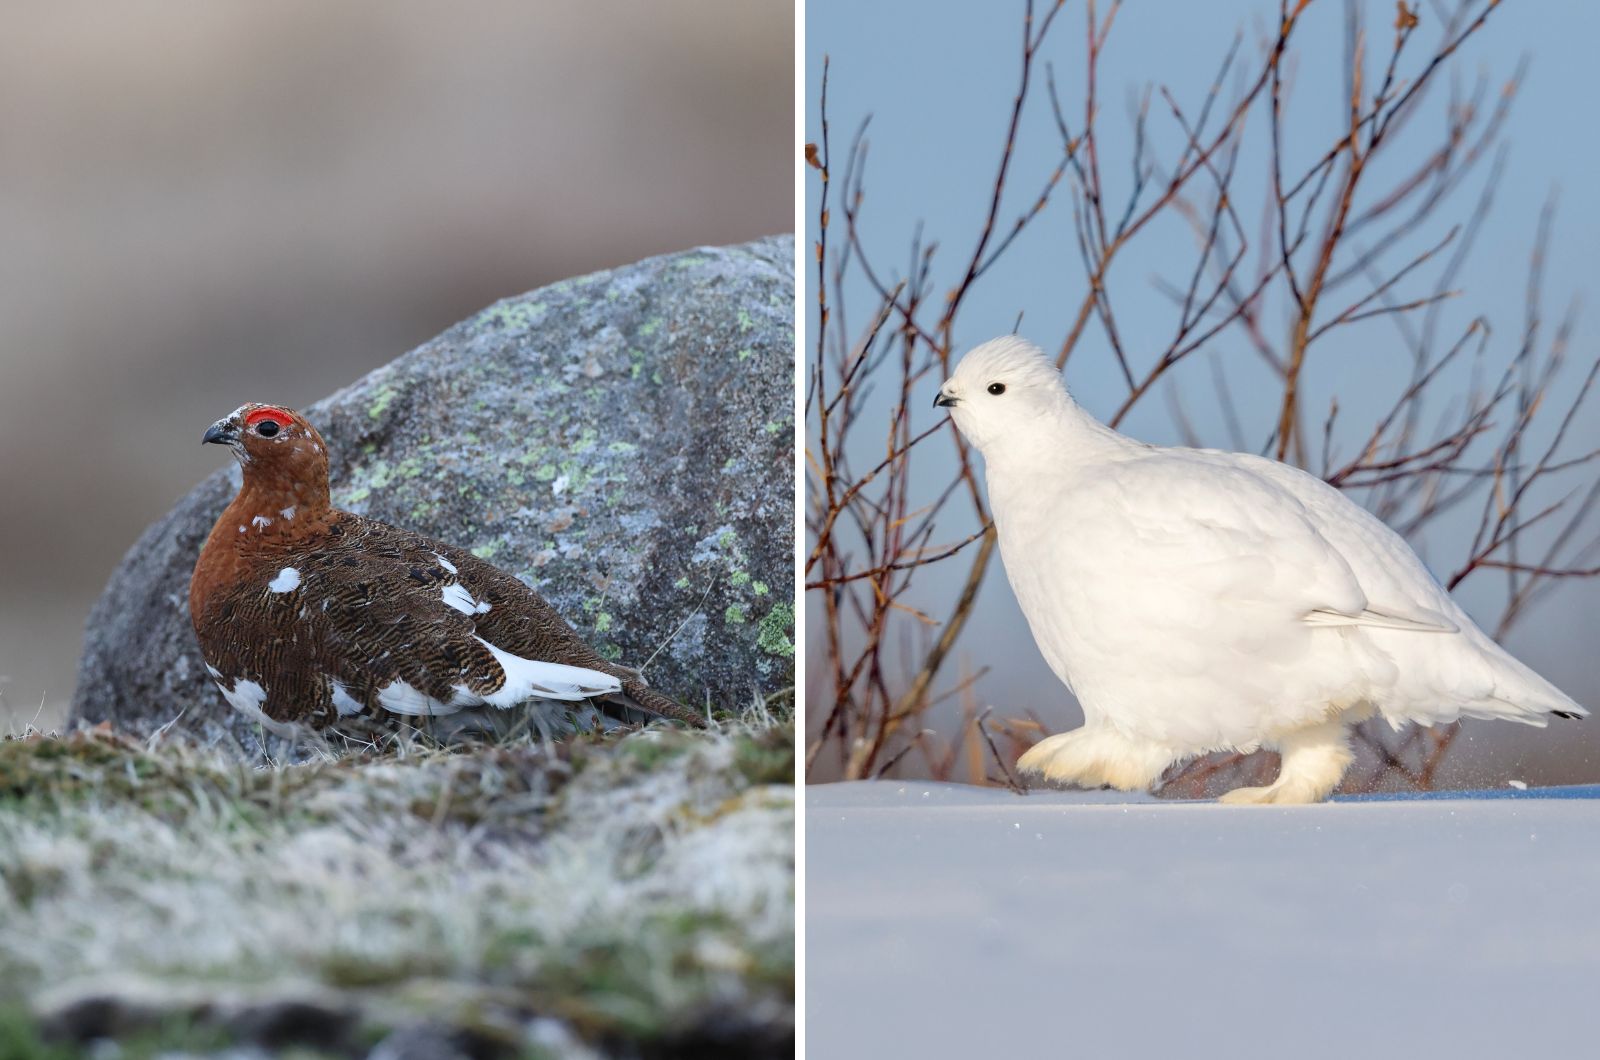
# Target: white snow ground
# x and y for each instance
(951, 921)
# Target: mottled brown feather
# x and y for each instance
(368, 609)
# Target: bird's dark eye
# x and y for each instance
(267, 428)
(997, 389)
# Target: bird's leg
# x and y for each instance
(1314, 759)
(1097, 756)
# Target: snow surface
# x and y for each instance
(952, 921)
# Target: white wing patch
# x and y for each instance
(457, 597)
(401, 698)
(261, 522)
(344, 702)
(246, 697)
(1425, 622)
(530, 679)
(288, 580)
(446, 564)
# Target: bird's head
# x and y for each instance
(274, 445)
(999, 388)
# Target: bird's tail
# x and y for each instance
(1519, 694)
(640, 699)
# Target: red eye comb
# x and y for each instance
(283, 416)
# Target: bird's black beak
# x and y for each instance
(222, 433)
(941, 400)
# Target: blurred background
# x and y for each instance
(204, 204)
(927, 89)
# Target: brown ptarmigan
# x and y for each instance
(306, 614)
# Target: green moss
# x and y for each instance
(734, 615)
(636, 987)
(486, 551)
(651, 754)
(766, 758)
(602, 622)
(740, 577)
(773, 632)
(760, 588)
(22, 1039)
(607, 986)
(745, 321)
(176, 1034)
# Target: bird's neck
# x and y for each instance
(272, 500)
(272, 511)
(1028, 470)
(1059, 437)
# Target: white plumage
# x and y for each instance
(1197, 600)
(534, 679)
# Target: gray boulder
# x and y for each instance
(623, 442)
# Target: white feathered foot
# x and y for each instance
(1314, 759)
(1097, 756)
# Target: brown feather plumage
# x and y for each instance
(325, 611)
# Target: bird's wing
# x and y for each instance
(1468, 675)
(1378, 620)
(1398, 585)
(1199, 533)
(513, 616)
(404, 631)
(519, 620)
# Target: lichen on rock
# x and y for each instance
(620, 441)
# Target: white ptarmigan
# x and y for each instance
(1196, 600)
(306, 614)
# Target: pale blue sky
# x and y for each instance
(938, 79)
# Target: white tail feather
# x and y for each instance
(530, 679)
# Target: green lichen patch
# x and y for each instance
(514, 314)
(776, 630)
(381, 402)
